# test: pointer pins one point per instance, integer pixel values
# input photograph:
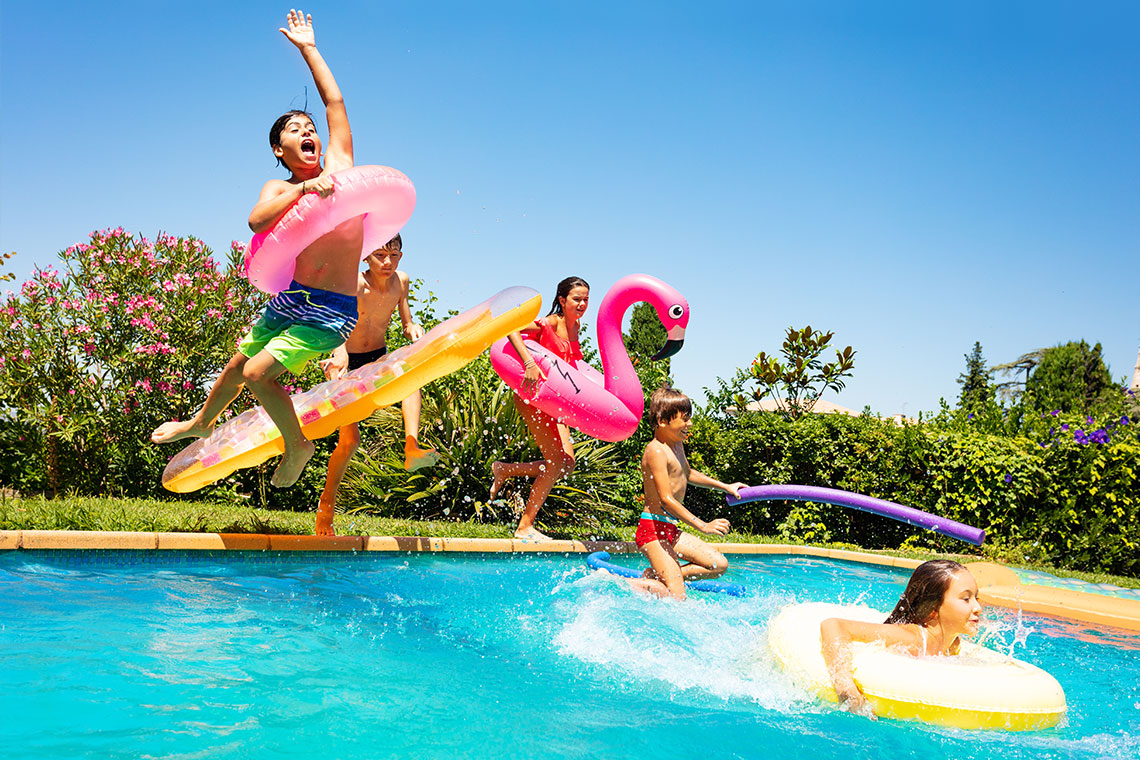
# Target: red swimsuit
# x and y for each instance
(548, 338)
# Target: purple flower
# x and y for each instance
(1055, 412)
(1089, 420)
(1008, 478)
(970, 416)
(1124, 420)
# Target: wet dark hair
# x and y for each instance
(925, 591)
(279, 126)
(563, 291)
(395, 244)
(666, 403)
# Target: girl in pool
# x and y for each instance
(557, 332)
(939, 605)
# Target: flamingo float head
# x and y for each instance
(671, 307)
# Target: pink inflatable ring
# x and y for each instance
(384, 196)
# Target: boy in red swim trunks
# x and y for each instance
(318, 310)
(665, 475)
(382, 290)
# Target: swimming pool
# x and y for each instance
(266, 654)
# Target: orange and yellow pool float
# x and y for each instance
(251, 438)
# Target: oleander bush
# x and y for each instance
(129, 333)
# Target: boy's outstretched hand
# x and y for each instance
(734, 489)
(300, 31)
(717, 527)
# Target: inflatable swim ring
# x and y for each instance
(606, 405)
(251, 438)
(978, 688)
(858, 501)
(384, 196)
(601, 561)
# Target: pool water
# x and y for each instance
(219, 655)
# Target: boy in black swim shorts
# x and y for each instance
(381, 292)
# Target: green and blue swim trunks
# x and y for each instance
(301, 323)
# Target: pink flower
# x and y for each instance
(26, 354)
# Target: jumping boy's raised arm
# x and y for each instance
(300, 33)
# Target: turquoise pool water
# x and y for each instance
(203, 655)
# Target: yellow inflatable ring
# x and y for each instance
(979, 688)
(251, 437)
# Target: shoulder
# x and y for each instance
(275, 187)
(655, 451)
(404, 280)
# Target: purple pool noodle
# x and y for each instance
(866, 504)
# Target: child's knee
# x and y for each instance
(566, 464)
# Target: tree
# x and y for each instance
(1071, 377)
(646, 335)
(799, 381)
(977, 390)
(1013, 390)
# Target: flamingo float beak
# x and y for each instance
(676, 339)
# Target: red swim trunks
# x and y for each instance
(649, 530)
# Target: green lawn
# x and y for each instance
(105, 513)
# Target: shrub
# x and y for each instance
(130, 333)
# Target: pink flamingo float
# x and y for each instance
(607, 404)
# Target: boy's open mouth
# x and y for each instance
(308, 147)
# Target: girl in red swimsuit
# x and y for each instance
(558, 333)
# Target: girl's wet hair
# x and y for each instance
(563, 291)
(667, 403)
(925, 591)
(279, 126)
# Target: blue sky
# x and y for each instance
(914, 177)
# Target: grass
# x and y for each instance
(153, 515)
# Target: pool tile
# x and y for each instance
(476, 544)
(69, 539)
(191, 541)
(316, 543)
(9, 539)
(865, 557)
(245, 541)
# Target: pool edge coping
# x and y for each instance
(998, 585)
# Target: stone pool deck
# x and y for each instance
(1001, 586)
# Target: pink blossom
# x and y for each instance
(26, 354)
(89, 348)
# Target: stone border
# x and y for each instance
(997, 585)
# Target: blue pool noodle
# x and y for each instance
(601, 561)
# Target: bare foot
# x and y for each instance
(532, 534)
(325, 515)
(292, 464)
(498, 479)
(416, 458)
(176, 430)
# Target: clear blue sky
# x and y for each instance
(913, 176)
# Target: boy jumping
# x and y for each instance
(382, 289)
(318, 310)
(665, 475)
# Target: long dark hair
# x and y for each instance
(925, 591)
(563, 291)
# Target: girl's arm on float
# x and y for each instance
(532, 373)
(836, 637)
(412, 331)
(301, 34)
(658, 468)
